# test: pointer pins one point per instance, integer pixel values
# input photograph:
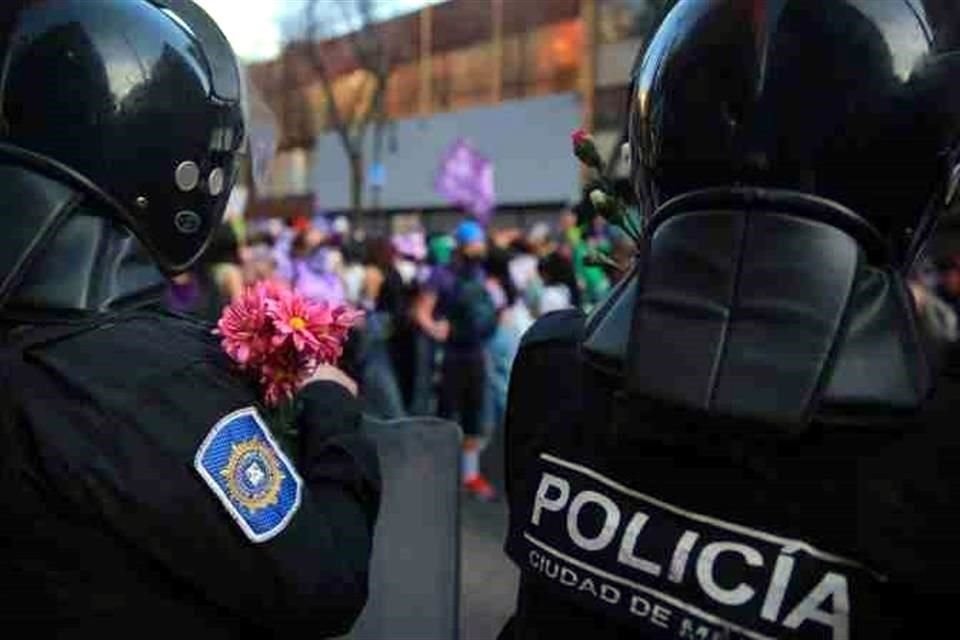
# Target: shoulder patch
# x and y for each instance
(245, 468)
(566, 326)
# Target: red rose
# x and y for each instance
(585, 149)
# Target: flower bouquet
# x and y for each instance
(279, 338)
(601, 198)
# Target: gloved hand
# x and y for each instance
(327, 407)
(330, 373)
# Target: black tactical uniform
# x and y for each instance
(748, 440)
(109, 528)
(144, 494)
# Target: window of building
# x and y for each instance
(471, 73)
(543, 61)
(558, 49)
(544, 68)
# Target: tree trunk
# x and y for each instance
(356, 187)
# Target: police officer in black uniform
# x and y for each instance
(142, 492)
(746, 440)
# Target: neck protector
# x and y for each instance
(769, 305)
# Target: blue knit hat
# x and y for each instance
(468, 232)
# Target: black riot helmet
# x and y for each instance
(854, 101)
(132, 108)
(793, 157)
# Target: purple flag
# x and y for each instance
(465, 179)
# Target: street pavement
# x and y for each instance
(488, 580)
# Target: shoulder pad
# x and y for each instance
(558, 326)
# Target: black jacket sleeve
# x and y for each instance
(331, 448)
(111, 445)
(315, 574)
(312, 575)
(341, 471)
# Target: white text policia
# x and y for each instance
(553, 495)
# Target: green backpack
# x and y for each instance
(472, 313)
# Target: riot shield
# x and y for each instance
(415, 571)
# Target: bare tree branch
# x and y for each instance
(354, 116)
(375, 31)
(316, 61)
(372, 48)
(358, 36)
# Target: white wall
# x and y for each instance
(528, 140)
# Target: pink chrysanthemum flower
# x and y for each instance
(244, 328)
(281, 337)
(297, 319)
(344, 319)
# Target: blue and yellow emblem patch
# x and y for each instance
(240, 461)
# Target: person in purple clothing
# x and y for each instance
(311, 269)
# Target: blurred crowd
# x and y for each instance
(444, 311)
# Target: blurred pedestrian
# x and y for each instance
(313, 268)
(354, 271)
(410, 250)
(428, 329)
(558, 284)
(213, 282)
(512, 321)
(258, 259)
(409, 253)
(188, 293)
(383, 298)
(461, 297)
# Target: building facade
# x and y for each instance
(513, 76)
